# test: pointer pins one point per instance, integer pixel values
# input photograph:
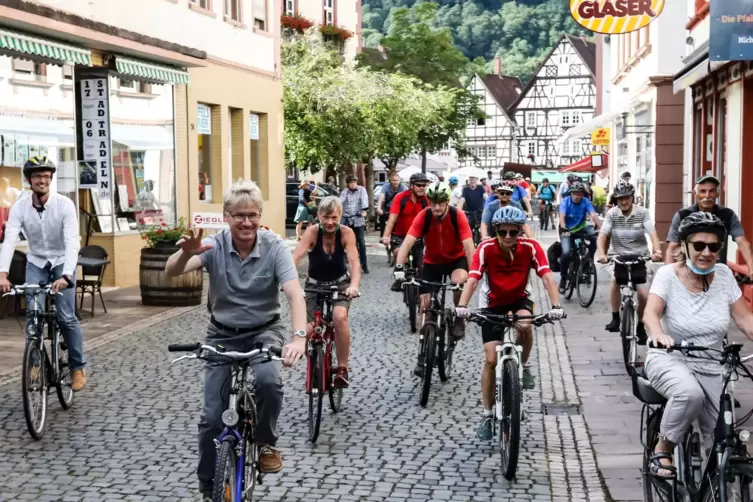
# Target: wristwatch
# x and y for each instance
(300, 333)
(556, 306)
(68, 280)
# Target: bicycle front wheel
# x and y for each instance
(571, 271)
(446, 347)
(737, 490)
(335, 395)
(411, 299)
(225, 472)
(34, 386)
(316, 396)
(627, 335)
(586, 282)
(64, 381)
(429, 349)
(509, 426)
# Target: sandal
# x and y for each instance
(655, 465)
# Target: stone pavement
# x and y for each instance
(131, 435)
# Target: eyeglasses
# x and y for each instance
(41, 177)
(699, 246)
(240, 218)
(504, 192)
(422, 185)
(505, 233)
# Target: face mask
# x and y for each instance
(698, 271)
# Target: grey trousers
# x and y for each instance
(692, 396)
(267, 381)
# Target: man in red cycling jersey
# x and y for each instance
(405, 207)
(507, 261)
(449, 248)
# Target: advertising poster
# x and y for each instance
(95, 126)
(87, 174)
(731, 30)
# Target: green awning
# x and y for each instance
(555, 177)
(48, 49)
(151, 72)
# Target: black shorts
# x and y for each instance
(638, 273)
(417, 251)
(438, 273)
(492, 333)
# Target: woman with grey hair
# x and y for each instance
(696, 298)
(247, 266)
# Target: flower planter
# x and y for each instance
(157, 289)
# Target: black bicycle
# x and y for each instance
(628, 309)
(436, 343)
(43, 368)
(410, 291)
(474, 220)
(581, 273)
(729, 468)
(236, 471)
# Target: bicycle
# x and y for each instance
(42, 369)
(582, 270)
(237, 467)
(322, 360)
(474, 220)
(628, 308)
(545, 215)
(410, 293)
(435, 341)
(509, 373)
(728, 460)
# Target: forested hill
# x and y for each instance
(520, 31)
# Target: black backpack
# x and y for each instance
(404, 203)
(430, 216)
(553, 254)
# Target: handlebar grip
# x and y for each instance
(276, 351)
(183, 347)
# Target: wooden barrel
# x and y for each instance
(160, 290)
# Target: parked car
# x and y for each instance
(291, 198)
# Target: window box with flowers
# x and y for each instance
(296, 22)
(332, 33)
(156, 287)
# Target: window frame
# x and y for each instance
(259, 23)
(202, 4)
(290, 7)
(38, 71)
(329, 9)
(532, 148)
(565, 114)
(238, 8)
(531, 116)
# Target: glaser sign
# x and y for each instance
(615, 16)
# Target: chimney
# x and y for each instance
(498, 66)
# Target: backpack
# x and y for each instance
(553, 254)
(404, 203)
(430, 217)
(388, 197)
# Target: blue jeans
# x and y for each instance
(567, 246)
(66, 311)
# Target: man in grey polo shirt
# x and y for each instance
(247, 265)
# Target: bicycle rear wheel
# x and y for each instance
(34, 387)
(509, 422)
(316, 396)
(738, 490)
(446, 347)
(225, 472)
(586, 282)
(335, 395)
(627, 335)
(653, 490)
(571, 271)
(429, 349)
(64, 382)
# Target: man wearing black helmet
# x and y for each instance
(575, 211)
(50, 224)
(706, 194)
(405, 207)
(624, 177)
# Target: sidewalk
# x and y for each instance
(125, 314)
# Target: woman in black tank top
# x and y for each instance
(327, 265)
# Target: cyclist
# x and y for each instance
(247, 267)
(519, 194)
(386, 196)
(472, 201)
(564, 189)
(547, 195)
(506, 262)
(50, 224)
(627, 225)
(457, 192)
(624, 177)
(449, 248)
(695, 298)
(574, 211)
(504, 198)
(405, 206)
(355, 202)
(332, 251)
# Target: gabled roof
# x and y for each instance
(503, 88)
(586, 51)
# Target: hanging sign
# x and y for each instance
(600, 137)
(731, 30)
(204, 120)
(95, 130)
(209, 220)
(253, 126)
(613, 17)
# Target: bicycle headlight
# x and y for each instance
(230, 418)
(744, 435)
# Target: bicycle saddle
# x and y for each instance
(642, 388)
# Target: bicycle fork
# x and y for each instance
(504, 354)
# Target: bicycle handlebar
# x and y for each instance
(32, 289)
(421, 282)
(689, 347)
(481, 317)
(274, 351)
(632, 261)
(332, 291)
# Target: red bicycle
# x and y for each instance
(322, 359)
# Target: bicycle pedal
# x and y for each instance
(63, 346)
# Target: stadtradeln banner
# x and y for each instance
(731, 30)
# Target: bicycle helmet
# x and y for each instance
(577, 187)
(545, 180)
(507, 186)
(38, 164)
(624, 189)
(494, 184)
(571, 178)
(453, 180)
(509, 215)
(419, 178)
(702, 222)
(625, 175)
(509, 175)
(438, 192)
(518, 176)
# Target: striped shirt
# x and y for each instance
(628, 233)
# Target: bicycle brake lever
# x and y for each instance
(187, 356)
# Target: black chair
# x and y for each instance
(16, 276)
(91, 276)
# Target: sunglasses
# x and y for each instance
(714, 247)
(505, 233)
(422, 185)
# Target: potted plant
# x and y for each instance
(296, 22)
(156, 287)
(332, 33)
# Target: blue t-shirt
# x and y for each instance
(575, 214)
(519, 193)
(474, 199)
(491, 200)
(490, 209)
(546, 193)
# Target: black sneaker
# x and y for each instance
(397, 286)
(419, 369)
(640, 331)
(614, 325)
(563, 284)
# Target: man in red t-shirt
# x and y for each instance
(507, 261)
(448, 247)
(405, 207)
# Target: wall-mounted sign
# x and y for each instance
(209, 220)
(253, 126)
(95, 130)
(204, 119)
(731, 30)
(601, 136)
(615, 16)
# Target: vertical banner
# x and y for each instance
(253, 126)
(95, 130)
(731, 30)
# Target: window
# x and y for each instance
(470, 122)
(576, 147)
(67, 72)
(565, 118)
(574, 70)
(329, 11)
(575, 117)
(204, 125)
(481, 122)
(566, 149)
(233, 10)
(260, 15)
(491, 152)
(204, 4)
(289, 7)
(551, 70)
(531, 119)
(482, 152)
(29, 70)
(134, 86)
(532, 148)
(256, 129)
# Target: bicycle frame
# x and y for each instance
(506, 350)
(323, 334)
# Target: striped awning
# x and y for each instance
(43, 48)
(150, 72)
